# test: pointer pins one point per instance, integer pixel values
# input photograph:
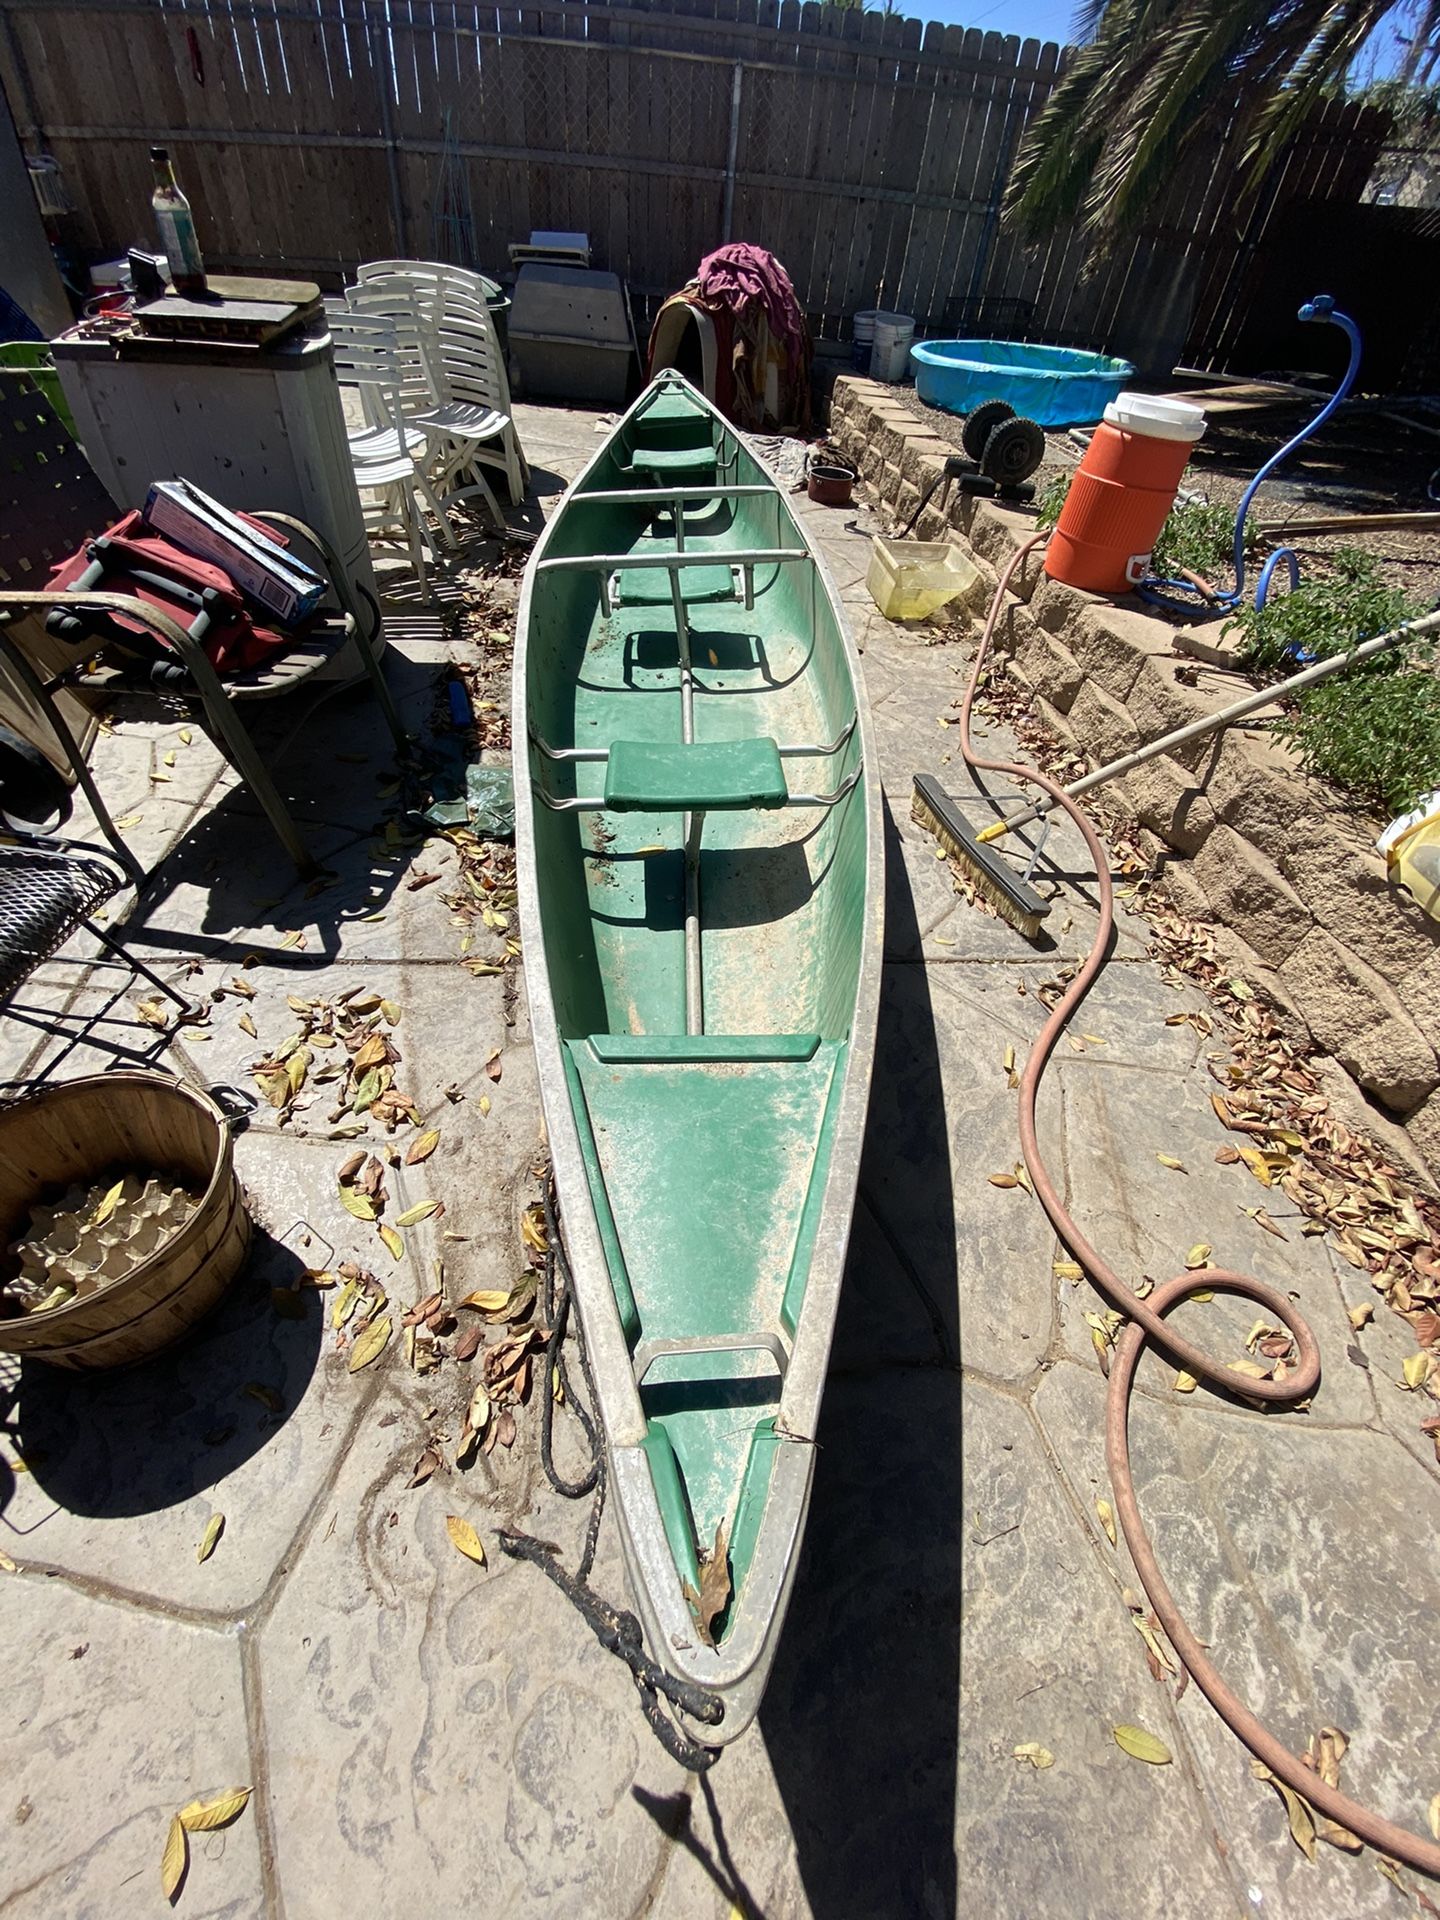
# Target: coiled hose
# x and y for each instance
(1147, 1323)
(1320, 310)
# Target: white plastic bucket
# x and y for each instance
(862, 327)
(1156, 417)
(891, 352)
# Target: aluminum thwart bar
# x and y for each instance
(662, 496)
(623, 562)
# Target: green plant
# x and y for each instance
(1377, 735)
(1199, 537)
(1324, 615)
(1155, 80)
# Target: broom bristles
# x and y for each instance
(1013, 899)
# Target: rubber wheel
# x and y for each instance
(1013, 452)
(980, 423)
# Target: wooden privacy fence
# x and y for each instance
(867, 151)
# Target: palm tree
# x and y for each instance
(1154, 75)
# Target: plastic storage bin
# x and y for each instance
(912, 579)
(570, 336)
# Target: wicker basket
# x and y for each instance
(76, 1132)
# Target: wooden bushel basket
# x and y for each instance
(79, 1130)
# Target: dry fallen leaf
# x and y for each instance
(394, 1245)
(464, 1538)
(1106, 1515)
(1067, 1270)
(1141, 1745)
(1169, 1160)
(422, 1147)
(108, 1204)
(714, 1593)
(214, 1527)
(422, 1210)
(1359, 1317)
(1416, 1369)
(1003, 1180)
(1038, 1756)
(360, 1204)
(493, 1067)
(1300, 1813)
(487, 1300)
(1432, 1814)
(370, 1343)
(1199, 1255)
(174, 1860)
(1184, 1382)
(205, 1816)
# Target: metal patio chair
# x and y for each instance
(50, 502)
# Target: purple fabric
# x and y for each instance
(736, 275)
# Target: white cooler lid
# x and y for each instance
(1156, 415)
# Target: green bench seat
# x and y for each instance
(650, 586)
(644, 776)
(672, 460)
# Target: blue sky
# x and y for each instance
(1050, 20)
(1038, 19)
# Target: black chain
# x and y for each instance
(617, 1630)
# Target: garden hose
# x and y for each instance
(1147, 1322)
(1320, 310)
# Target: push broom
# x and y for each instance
(1011, 893)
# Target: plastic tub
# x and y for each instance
(890, 352)
(912, 579)
(1056, 386)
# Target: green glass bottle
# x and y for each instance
(177, 227)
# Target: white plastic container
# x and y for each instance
(1156, 416)
(890, 354)
(912, 579)
(862, 327)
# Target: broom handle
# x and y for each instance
(1197, 729)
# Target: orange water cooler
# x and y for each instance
(1122, 491)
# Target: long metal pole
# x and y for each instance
(727, 212)
(1197, 729)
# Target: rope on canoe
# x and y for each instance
(617, 1629)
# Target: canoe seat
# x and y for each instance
(648, 776)
(672, 460)
(650, 586)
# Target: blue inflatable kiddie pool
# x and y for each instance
(1056, 386)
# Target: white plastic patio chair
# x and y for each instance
(472, 388)
(388, 454)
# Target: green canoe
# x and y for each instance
(698, 829)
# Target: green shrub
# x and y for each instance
(1377, 735)
(1324, 615)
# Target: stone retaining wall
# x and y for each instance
(1244, 840)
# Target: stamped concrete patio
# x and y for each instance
(425, 1736)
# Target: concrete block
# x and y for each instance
(922, 458)
(1113, 643)
(1168, 800)
(1046, 663)
(1056, 723)
(1357, 1016)
(1101, 724)
(1161, 700)
(1254, 786)
(1251, 895)
(1349, 892)
(1423, 1131)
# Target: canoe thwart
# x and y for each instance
(649, 1351)
(697, 1049)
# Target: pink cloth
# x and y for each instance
(738, 274)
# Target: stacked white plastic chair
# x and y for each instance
(383, 358)
(471, 417)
